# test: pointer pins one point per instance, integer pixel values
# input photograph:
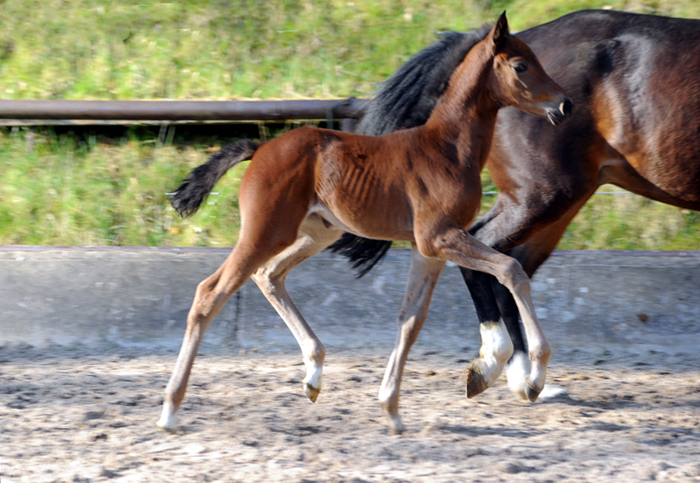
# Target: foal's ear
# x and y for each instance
(500, 30)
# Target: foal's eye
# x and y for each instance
(520, 67)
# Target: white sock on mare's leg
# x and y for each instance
(496, 349)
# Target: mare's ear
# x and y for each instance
(500, 30)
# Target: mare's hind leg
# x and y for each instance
(456, 245)
(314, 236)
(422, 277)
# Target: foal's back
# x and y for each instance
(363, 184)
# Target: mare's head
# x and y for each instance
(517, 78)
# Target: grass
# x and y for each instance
(63, 190)
(80, 189)
(220, 49)
(68, 190)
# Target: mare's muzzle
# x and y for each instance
(558, 115)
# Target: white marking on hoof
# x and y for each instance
(517, 371)
(496, 349)
(168, 420)
(312, 381)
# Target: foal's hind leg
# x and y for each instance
(456, 245)
(209, 299)
(422, 277)
(314, 236)
(258, 243)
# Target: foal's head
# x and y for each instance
(517, 78)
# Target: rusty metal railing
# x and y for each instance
(45, 111)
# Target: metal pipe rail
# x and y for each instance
(179, 110)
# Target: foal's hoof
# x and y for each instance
(311, 392)
(476, 384)
(168, 420)
(531, 393)
(396, 428)
(167, 424)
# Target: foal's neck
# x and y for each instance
(465, 114)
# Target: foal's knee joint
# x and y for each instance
(515, 276)
(266, 281)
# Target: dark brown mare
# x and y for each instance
(635, 80)
(303, 189)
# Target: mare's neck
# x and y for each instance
(465, 114)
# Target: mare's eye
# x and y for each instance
(520, 67)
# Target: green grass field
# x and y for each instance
(77, 189)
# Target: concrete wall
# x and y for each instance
(140, 296)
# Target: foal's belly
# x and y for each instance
(378, 227)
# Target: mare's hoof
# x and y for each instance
(311, 392)
(475, 381)
(531, 393)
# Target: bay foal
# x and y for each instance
(422, 185)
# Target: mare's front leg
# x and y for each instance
(501, 340)
(456, 245)
(314, 236)
(422, 277)
(493, 300)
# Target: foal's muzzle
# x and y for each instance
(557, 116)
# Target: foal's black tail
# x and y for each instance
(194, 190)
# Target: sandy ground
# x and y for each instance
(79, 414)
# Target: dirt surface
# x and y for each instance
(79, 414)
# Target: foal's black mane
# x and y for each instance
(406, 100)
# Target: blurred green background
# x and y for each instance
(62, 187)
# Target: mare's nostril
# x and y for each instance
(566, 107)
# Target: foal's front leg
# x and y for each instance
(422, 277)
(314, 236)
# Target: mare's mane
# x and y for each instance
(406, 100)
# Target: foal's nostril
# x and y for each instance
(566, 107)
